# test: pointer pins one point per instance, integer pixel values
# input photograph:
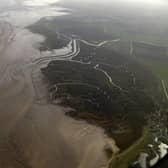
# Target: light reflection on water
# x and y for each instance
(30, 11)
(5, 3)
(39, 2)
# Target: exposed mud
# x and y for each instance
(39, 135)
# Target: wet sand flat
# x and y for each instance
(40, 135)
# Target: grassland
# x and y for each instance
(124, 159)
(159, 68)
(87, 90)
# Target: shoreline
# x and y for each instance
(32, 125)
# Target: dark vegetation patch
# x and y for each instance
(88, 90)
(101, 55)
(125, 71)
(69, 25)
(95, 100)
(143, 50)
(54, 40)
(80, 27)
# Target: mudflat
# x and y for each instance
(39, 135)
